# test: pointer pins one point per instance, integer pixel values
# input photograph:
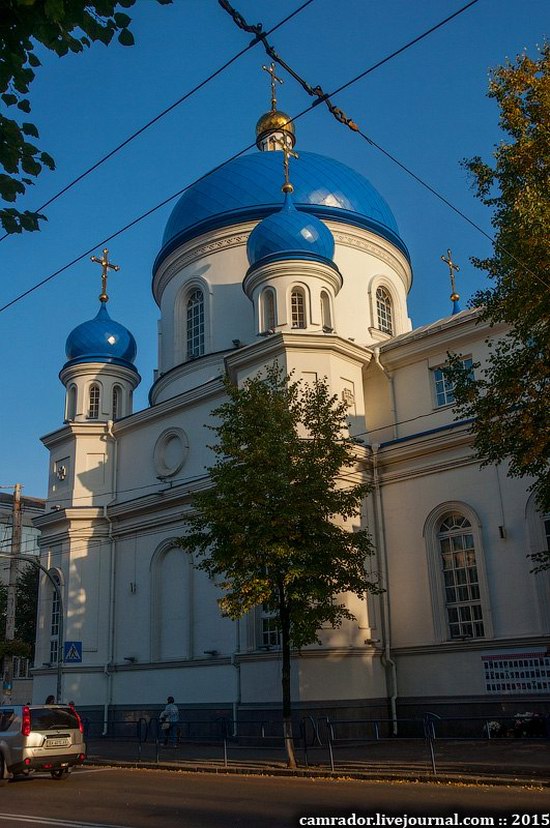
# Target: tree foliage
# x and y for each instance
(280, 525)
(510, 398)
(62, 26)
(25, 617)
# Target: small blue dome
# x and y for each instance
(290, 234)
(101, 340)
(248, 187)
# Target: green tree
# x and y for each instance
(26, 608)
(509, 399)
(61, 26)
(271, 529)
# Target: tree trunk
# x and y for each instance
(287, 704)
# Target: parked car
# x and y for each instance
(40, 738)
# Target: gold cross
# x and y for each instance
(106, 265)
(287, 153)
(452, 267)
(271, 71)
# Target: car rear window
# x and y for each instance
(53, 718)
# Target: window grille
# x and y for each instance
(444, 388)
(116, 402)
(195, 325)
(460, 576)
(93, 402)
(298, 309)
(71, 403)
(326, 319)
(270, 632)
(384, 310)
(54, 625)
(268, 316)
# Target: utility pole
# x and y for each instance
(12, 589)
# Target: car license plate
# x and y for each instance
(65, 742)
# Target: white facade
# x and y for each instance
(149, 622)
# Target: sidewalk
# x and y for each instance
(489, 762)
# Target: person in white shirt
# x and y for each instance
(170, 716)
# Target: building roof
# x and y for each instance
(249, 187)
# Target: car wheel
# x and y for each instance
(3, 772)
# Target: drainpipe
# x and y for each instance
(389, 377)
(107, 670)
(387, 660)
(237, 667)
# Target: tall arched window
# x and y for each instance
(326, 318)
(268, 310)
(384, 310)
(298, 308)
(93, 402)
(460, 574)
(195, 324)
(117, 402)
(71, 403)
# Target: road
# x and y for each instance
(107, 797)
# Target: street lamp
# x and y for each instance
(57, 588)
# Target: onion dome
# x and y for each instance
(101, 340)
(290, 234)
(248, 189)
(274, 121)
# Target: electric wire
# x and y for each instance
(165, 201)
(164, 112)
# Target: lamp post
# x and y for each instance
(57, 588)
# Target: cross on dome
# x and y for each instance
(448, 259)
(106, 265)
(274, 79)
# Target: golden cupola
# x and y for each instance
(274, 127)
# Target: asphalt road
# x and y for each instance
(107, 797)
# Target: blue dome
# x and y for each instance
(101, 340)
(249, 188)
(290, 234)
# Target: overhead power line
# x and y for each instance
(165, 201)
(168, 109)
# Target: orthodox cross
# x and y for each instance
(106, 265)
(271, 72)
(452, 267)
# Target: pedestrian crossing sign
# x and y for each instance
(72, 652)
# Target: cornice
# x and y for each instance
(296, 268)
(446, 334)
(377, 246)
(471, 645)
(96, 369)
(281, 343)
(208, 243)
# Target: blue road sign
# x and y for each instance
(72, 652)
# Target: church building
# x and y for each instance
(313, 274)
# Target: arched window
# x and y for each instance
(298, 308)
(268, 310)
(460, 575)
(117, 402)
(93, 402)
(195, 325)
(71, 403)
(384, 310)
(326, 318)
(55, 621)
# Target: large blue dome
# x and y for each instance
(290, 234)
(249, 188)
(101, 340)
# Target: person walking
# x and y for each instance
(169, 719)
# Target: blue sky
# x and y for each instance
(428, 107)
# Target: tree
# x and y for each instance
(270, 527)
(59, 25)
(25, 622)
(509, 400)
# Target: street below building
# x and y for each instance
(132, 798)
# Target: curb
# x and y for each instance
(309, 773)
